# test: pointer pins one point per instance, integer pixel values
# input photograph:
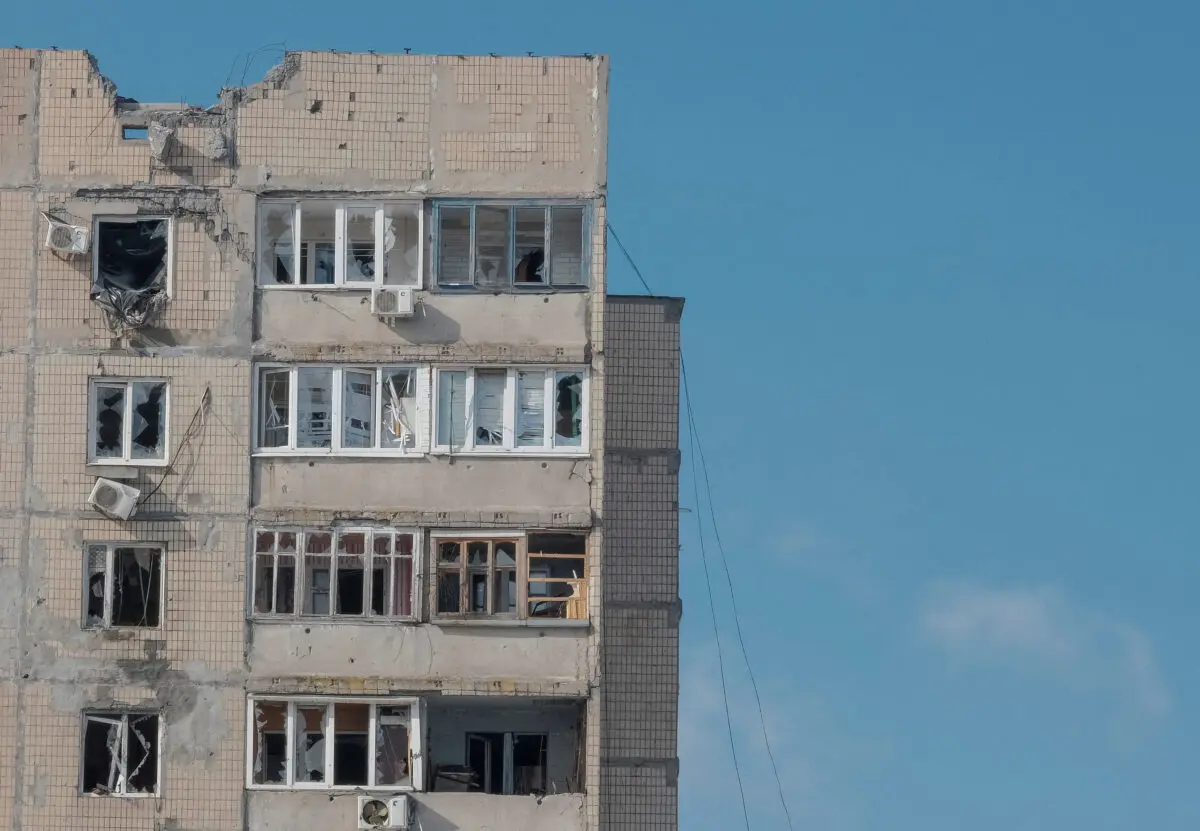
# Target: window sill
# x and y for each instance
(324, 287)
(512, 288)
(511, 623)
(336, 789)
(308, 620)
(94, 464)
(119, 795)
(519, 454)
(319, 453)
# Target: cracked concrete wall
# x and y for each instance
(401, 125)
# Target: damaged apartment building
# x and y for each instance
(337, 493)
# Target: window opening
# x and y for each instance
(124, 586)
(477, 577)
(128, 421)
(131, 268)
(334, 743)
(497, 246)
(557, 586)
(507, 763)
(505, 409)
(347, 572)
(120, 754)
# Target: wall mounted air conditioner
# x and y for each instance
(392, 301)
(383, 813)
(115, 499)
(66, 238)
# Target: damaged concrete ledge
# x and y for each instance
(328, 685)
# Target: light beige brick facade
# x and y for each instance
(331, 133)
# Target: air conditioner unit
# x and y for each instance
(383, 813)
(66, 238)
(114, 499)
(392, 302)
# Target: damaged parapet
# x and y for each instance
(163, 122)
(130, 279)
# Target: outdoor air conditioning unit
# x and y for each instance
(383, 813)
(66, 238)
(115, 499)
(392, 302)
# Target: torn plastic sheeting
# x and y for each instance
(161, 139)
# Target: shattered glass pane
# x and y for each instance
(360, 245)
(137, 586)
(314, 406)
(103, 757)
(449, 592)
(97, 559)
(264, 583)
(531, 409)
(270, 742)
(351, 577)
(277, 246)
(274, 408)
(491, 246)
(358, 409)
(399, 408)
(110, 420)
(148, 423)
(452, 408)
(310, 744)
(402, 244)
(489, 406)
(566, 246)
(142, 743)
(568, 409)
(318, 256)
(285, 584)
(391, 746)
(530, 235)
(454, 246)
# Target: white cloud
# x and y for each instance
(805, 548)
(1039, 627)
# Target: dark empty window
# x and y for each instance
(131, 265)
(507, 763)
(124, 586)
(120, 753)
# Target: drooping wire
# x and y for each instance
(712, 607)
(737, 623)
(696, 444)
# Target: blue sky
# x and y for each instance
(941, 330)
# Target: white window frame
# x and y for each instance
(126, 714)
(299, 587)
(341, 210)
(420, 419)
(513, 205)
(130, 219)
(126, 457)
(109, 557)
(416, 721)
(436, 537)
(508, 444)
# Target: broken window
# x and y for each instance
(491, 246)
(476, 576)
(274, 572)
(498, 576)
(333, 743)
(128, 421)
(507, 763)
(491, 410)
(123, 585)
(131, 270)
(345, 572)
(557, 586)
(339, 244)
(120, 754)
(338, 409)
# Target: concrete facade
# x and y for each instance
(200, 713)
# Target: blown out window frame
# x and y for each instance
(416, 754)
(130, 219)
